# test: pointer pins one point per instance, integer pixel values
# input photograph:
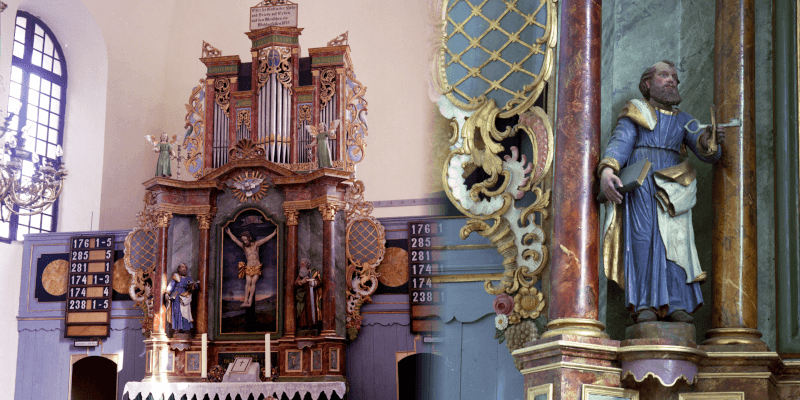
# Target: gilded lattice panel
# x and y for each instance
(497, 50)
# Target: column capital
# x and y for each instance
(204, 220)
(328, 211)
(291, 217)
(163, 219)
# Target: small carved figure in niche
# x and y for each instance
(250, 270)
(308, 297)
(322, 135)
(648, 240)
(178, 299)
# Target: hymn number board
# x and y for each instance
(89, 286)
(424, 256)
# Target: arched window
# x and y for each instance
(37, 95)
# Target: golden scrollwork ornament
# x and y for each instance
(275, 60)
(327, 80)
(222, 93)
(209, 51)
(304, 113)
(365, 248)
(194, 141)
(355, 127)
(243, 118)
(140, 260)
(492, 203)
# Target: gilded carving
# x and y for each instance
(204, 220)
(365, 249)
(222, 93)
(304, 113)
(542, 47)
(209, 51)
(490, 204)
(249, 186)
(328, 211)
(243, 117)
(327, 82)
(163, 219)
(340, 40)
(275, 60)
(194, 142)
(140, 259)
(246, 148)
(291, 217)
(355, 126)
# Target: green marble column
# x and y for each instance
(785, 116)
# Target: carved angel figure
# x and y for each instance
(322, 135)
(166, 152)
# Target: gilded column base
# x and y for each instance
(575, 326)
(733, 336)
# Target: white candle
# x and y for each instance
(267, 357)
(204, 356)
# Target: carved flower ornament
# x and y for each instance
(528, 302)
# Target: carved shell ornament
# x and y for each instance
(249, 186)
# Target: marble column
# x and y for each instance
(734, 243)
(163, 219)
(290, 317)
(574, 287)
(328, 212)
(787, 158)
(201, 320)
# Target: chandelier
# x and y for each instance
(29, 183)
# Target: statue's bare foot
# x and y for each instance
(680, 316)
(646, 316)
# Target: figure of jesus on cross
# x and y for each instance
(251, 269)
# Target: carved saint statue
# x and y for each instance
(322, 135)
(648, 239)
(178, 299)
(308, 295)
(251, 269)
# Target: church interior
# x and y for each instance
(399, 200)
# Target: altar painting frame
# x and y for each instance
(271, 255)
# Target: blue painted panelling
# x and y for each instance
(476, 366)
(44, 355)
(371, 358)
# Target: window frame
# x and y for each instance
(26, 65)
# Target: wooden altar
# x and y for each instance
(263, 228)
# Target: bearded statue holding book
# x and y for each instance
(648, 239)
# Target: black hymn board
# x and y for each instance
(89, 286)
(424, 256)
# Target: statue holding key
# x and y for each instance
(648, 238)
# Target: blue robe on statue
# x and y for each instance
(637, 257)
(180, 306)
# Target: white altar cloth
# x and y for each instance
(162, 390)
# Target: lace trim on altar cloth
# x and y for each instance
(200, 389)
